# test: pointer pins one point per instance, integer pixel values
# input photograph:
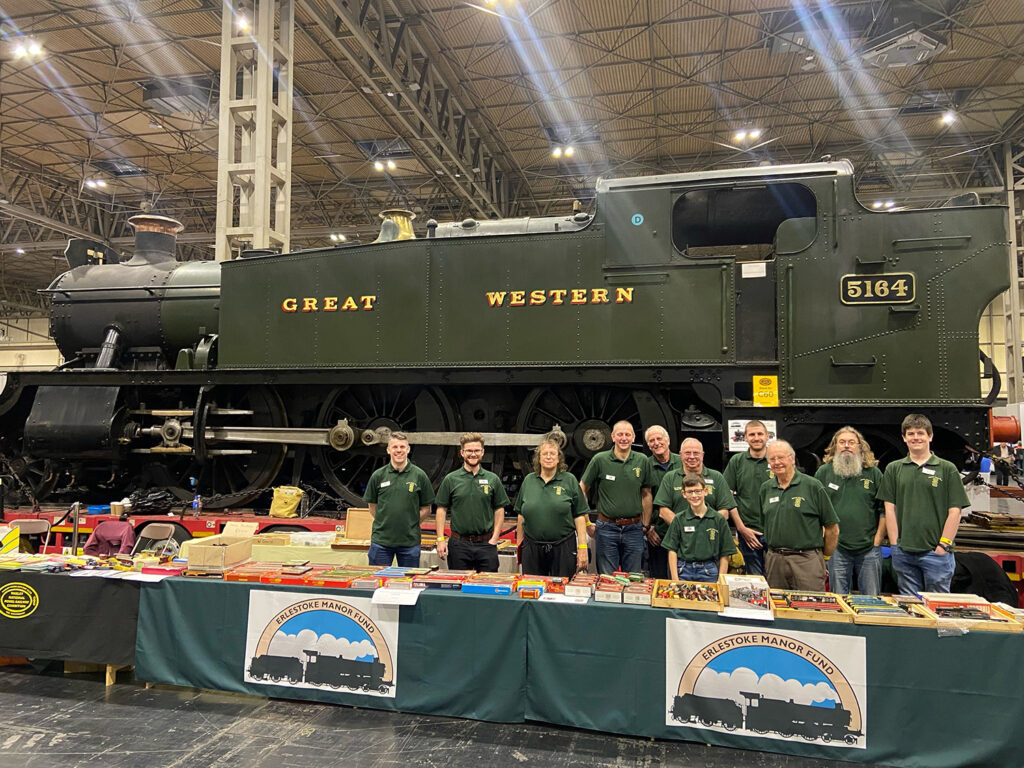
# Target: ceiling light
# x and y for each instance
(342, 238)
(90, 184)
(755, 134)
(391, 165)
(458, 175)
(889, 203)
(569, 151)
(243, 23)
(556, 152)
(20, 251)
(101, 183)
(334, 238)
(391, 93)
(949, 118)
(20, 52)
(35, 49)
(740, 136)
(877, 204)
(809, 57)
(378, 166)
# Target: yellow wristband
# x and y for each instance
(582, 546)
(944, 540)
(440, 538)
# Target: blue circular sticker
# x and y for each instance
(638, 219)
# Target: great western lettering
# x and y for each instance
(559, 296)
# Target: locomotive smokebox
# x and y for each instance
(139, 314)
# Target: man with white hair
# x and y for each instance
(800, 525)
(660, 463)
(851, 478)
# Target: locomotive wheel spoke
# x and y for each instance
(594, 410)
(409, 408)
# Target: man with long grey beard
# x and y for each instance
(851, 478)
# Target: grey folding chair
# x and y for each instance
(161, 533)
(32, 527)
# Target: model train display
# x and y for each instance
(333, 671)
(763, 715)
(679, 301)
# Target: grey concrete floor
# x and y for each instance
(74, 720)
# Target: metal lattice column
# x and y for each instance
(254, 152)
(1014, 178)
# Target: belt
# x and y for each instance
(791, 551)
(698, 562)
(619, 520)
(475, 538)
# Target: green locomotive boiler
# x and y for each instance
(686, 300)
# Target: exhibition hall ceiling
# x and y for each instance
(490, 108)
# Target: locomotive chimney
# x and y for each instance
(155, 238)
(396, 225)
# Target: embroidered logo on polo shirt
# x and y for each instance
(711, 533)
(637, 470)
(797, 501)
(867, 483)
(935, 482)
(412, 487)
(558, 490)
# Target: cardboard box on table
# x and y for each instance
(223, 551)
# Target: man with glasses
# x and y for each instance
(477, 500)
(800, 526)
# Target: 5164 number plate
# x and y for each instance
(891, 288)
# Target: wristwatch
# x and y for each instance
(947, 547)
(647, 528)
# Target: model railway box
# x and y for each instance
(689, 595)
(282, 553)
(221, 552)
(581, 585)
(746, 593)
(810, 606)
(358, 524)
(888, 611)
(249, 571)
(490, 584)
(970, 612)
(608, 593)
(639, 593)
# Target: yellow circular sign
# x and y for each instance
(18, 600)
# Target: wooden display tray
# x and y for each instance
(843, 616)
(689, 605)
(918, 615)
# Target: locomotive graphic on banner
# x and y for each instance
(769, 683)
(320, 641)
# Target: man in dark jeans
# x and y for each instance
(477, 500)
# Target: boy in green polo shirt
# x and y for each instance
(923, 496)
(698, 540)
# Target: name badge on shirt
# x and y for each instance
(773, 499)
(609, 477)
(385, 484)
(833, 486)
(689, 529)
(709, 480)
(928, 471)
(482, 481)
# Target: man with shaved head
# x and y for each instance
(660, 463)
(622, 478)
(801, 527)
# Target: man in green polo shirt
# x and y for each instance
(622, 479)
(477, 500)
(745, 474)
(851, 478)
(800, 526)
(698, 541)
(399, 496)
(659, 463)
(923, 496)
(669, 500)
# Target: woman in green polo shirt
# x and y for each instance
(552, 513)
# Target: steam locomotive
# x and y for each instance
(684, 300)
(333, 671)
(764, 715)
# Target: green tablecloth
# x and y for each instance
(925, 699)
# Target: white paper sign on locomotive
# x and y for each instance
(770, 683)
(322, 641)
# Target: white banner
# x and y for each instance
(322, 641)
(771, 683)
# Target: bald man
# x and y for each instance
(622, 478)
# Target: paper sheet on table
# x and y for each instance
(135, 576)
(747, 614)
(551, 597)
(385, 596)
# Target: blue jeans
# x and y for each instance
(922, 571)
(698, 571)
(408, 557)
(619, 547)
(865, 570)
(753, 559)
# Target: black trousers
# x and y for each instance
(466, 555)
(657, 559)
(549, 558)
